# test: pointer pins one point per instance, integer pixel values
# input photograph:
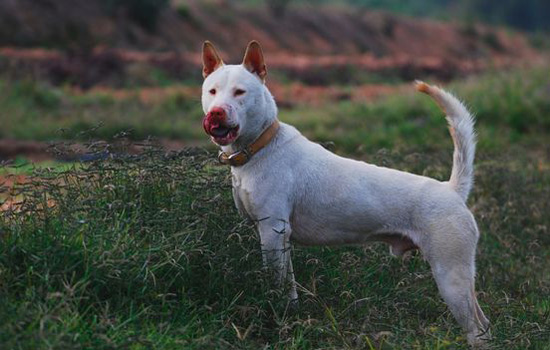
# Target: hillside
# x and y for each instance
(313, 44)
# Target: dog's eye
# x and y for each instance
(212, 91)
(239, 92)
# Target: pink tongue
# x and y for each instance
(207, 125)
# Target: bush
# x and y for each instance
(144, 12)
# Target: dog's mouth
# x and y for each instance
(220, 133)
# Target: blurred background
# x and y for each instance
(101, 248)
(81, 70)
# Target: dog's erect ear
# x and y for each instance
(210, 59)
(254, 60)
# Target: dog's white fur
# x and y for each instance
(294, 189)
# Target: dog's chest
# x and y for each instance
(243, 196)
(256, 197)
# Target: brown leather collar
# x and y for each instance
(243, 156)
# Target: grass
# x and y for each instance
(34, 110)
(510, 104)
(22, 166)
(510, 107)
(148, 252)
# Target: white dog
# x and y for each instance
(294, 189)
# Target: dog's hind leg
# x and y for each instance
(456, 286)
(452, 258)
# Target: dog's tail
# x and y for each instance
(461, 127)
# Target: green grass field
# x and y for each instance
(514, 105)
(148, 252)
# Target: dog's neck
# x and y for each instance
(242, 156)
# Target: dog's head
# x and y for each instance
(235, 100)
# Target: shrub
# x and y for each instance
(144, 12)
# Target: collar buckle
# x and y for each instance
(243, 156)
(235, 159)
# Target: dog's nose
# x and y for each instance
(216, 114)
(214, 119)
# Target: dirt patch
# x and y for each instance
(8, 199)
(13, 200)
(10, 180)
(117, 67)
(36, 151)
(288, 95)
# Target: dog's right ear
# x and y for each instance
(210, 59)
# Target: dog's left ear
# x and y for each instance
(254, 60)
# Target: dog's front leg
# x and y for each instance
(275, 241)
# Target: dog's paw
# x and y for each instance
(479, 340)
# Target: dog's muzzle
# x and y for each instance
(215, 124)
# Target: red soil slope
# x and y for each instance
(307, 42)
